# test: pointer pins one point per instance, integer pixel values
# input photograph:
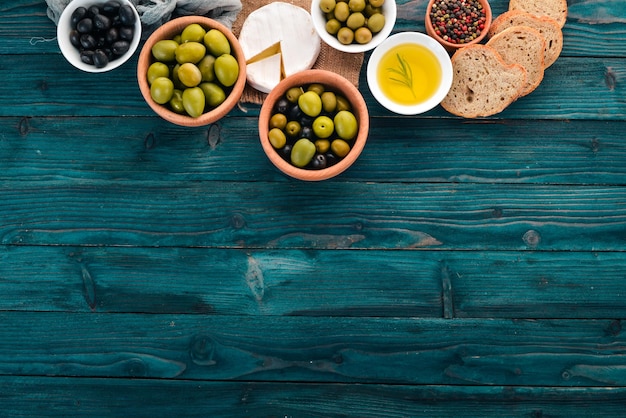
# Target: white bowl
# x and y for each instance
(71, 53)
(319, 21)
(418, 39)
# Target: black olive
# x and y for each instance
(319, 161)
(294, 113)
(85, 25)
(306, 120)
(93, 11)
(127, 15)
(100, 59)
(77, 15)
(120, 47)
(112, 35)
(75, 38)
(101, 22)
(285, 152)
(127, 33)
(307, 132)
(282, 105)
(110, 8)
(87, 57)
(331, 159)
(87, 41)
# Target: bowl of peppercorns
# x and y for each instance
(458, 23)
(98, 35)
(313, 125)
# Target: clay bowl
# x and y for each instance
(168, 31)
(451, 47)
(333, 82)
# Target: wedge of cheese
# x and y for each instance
(278, 40)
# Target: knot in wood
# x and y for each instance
(202, 350)
(237, 221)
(532, 238)
(136, 368)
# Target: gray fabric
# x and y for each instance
(154, 13)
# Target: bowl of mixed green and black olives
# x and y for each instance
(98, 35)
(313, 125)
(353, 25)
(191, 71)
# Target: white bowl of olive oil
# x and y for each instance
(409, 73)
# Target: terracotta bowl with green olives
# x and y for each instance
(313, 125)
(353, 26)
(191, 71)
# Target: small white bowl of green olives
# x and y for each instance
(353, 26)
(96, 36)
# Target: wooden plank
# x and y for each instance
(585, 32)
(321, 215)
(79, 397)
(573, 88)
(576, 353)
(427, 284)
(424, 150)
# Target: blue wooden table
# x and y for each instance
(459, 268)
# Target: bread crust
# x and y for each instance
(547, 26)
(556, 9)
(522, 45)
(482, 83)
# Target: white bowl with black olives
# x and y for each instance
(98, 35)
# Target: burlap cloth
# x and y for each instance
(341, 63)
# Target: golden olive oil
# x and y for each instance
(409, 74)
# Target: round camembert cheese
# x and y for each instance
(278, 40)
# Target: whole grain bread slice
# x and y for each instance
(547, 26)
(522, 45)
(482, 83)
(556, 9)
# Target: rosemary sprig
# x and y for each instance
(405, 74)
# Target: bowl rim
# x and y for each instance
(337, 82)
(410, 37)
(175, 26)
(390, 13)
(448, 45)
(72, 55)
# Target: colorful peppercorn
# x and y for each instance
(458, 21)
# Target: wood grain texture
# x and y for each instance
(26, 397)
(305, 349)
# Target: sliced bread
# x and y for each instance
(482, 83)
(547, 26)
(556, 9)
(522, 45)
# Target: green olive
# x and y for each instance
(176, 102)
(377, 3)
(293, 128)
(345, 35)
(278, 120)
(206, 67)
(329, 101)
(362, 35)
(346, 125)
(322, 146)
(342, 11)
(327, 5)
(226, 69)
(355, 20)
(343, 103)
(216, 42)
(340, 148)
(164, 50)
(356, 5)
(193, 101)
(189, 74)
(214, 94)
(190, 52)
(192, 33)
(162, 90)
(318, 88)
(156, 70)
(376, 22)
(333, 26)
(277, 138)
(302, 152)
(293, 93)
(310, 103)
